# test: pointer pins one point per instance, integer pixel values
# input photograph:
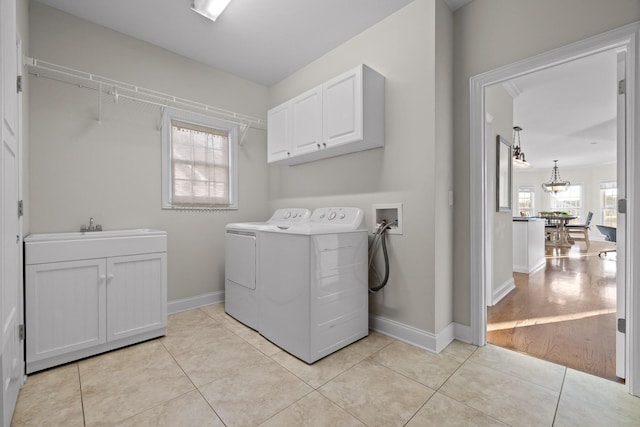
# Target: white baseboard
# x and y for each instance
(184, 304)
(462, 332)
(523, 269)
(409, 334)
(503, 290)
(419, 338)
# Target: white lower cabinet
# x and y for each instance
(66, 307)
(79, 308)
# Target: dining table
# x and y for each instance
(560, 237)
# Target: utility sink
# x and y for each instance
(57, 247)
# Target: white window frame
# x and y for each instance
(532, 198)
(232, 129)
(604, 186)
(554, 197)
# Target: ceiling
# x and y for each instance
(568, 112)
(262, 41)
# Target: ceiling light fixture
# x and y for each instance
(519, 160)
(210, 9)
(556, 183)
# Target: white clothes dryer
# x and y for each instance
(314, 283)
(241, 258)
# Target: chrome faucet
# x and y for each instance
(91, 227)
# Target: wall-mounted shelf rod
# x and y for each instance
(118, 89)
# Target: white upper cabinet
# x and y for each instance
(279, 133)
(343, 115)
(306, 122)
(342, 108)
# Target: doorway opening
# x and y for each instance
(552, 299)
(628, 246)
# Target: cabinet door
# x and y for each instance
(65, 307)
(279, 132)
(136, 294)
(306, 117)
(342, 108)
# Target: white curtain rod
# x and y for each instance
(119, 89)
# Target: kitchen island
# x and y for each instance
(528, 244)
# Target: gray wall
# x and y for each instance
(111, 171)
(414, 167)
(492, 33)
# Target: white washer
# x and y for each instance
(241, 279)
(313, 283)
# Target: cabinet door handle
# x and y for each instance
(109, 277)
(318, 145)
(102, 278)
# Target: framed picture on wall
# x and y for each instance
(503, 174)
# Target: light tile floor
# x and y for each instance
(211, 370)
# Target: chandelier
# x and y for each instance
(556, 183)
(519, 160)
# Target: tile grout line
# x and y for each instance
(467, 359)
(192, 383)
(555, 414)
(84, 418)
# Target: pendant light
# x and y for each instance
(519, 160)
(556, 183)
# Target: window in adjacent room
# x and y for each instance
(526, 200)
(569, 200)
(608, 201)
(199, 162)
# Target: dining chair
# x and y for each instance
(580, 232)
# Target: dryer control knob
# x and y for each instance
(322, 216)
(295, 215)
(287, 215)
(342, 215)
(332, 216)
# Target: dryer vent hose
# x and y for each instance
(379, 239)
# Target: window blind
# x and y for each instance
(199, 165)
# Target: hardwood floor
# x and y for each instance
(564, 313)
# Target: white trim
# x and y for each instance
(512, 89)
(169, 114)
(402, 332)
(462, 333)
(185, 304)
(503, 290)
(525, 270)
(623, 37)
(434, 343)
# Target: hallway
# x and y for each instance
(564, 313)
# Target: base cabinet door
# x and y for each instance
(136, 294)
(65, 307)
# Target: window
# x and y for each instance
(526, 199)
(569, 200)
(199, 164)
(608, 201)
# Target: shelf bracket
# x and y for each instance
(100, 103)
(244, 128)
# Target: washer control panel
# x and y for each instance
(350, 217)
(290, 215)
